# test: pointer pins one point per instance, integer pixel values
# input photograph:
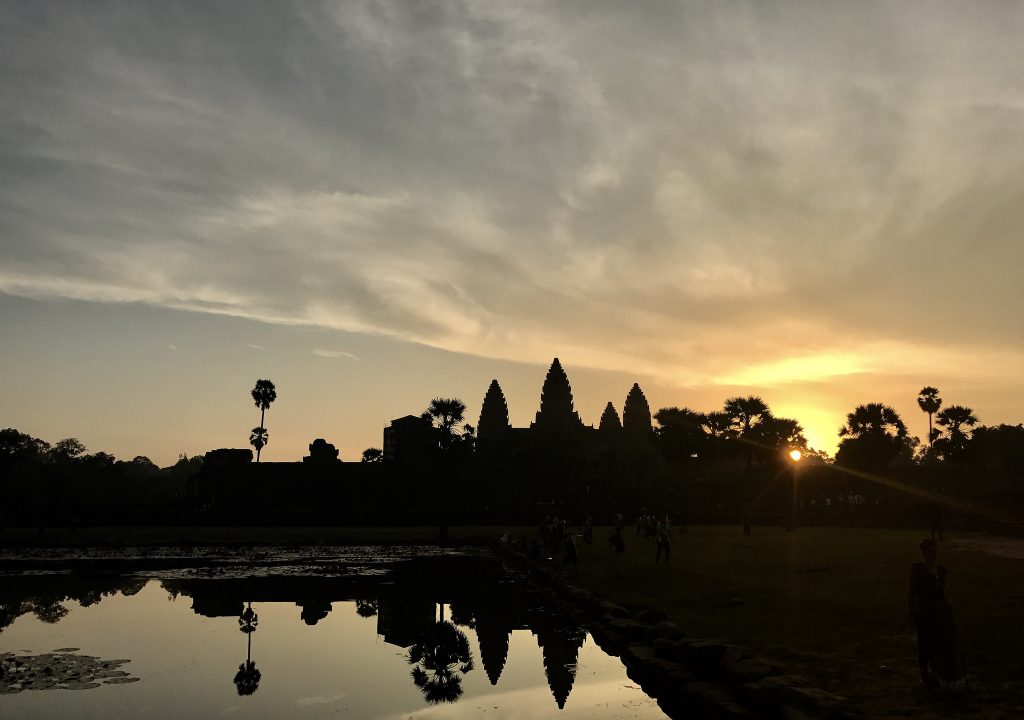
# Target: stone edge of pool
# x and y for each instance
(686, 675)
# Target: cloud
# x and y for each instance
(334, 354)
(754, 197)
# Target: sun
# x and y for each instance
(795, 455)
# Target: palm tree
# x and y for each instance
(874, 436)
(263, 394)
(447, 414)
(258, 438)
(930, 402)
(954, 419)
(746, 413)
(247, 679)
(873, 419)
(441, 658)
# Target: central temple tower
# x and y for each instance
(556, 414)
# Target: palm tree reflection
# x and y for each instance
(247, 679)
(440, 659)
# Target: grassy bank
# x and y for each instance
(832, 602)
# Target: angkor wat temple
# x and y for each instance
(556, 423)
(504, 472)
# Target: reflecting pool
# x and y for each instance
(437, 635)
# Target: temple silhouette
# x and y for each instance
(558, 462)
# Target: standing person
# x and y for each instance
(937, 655)
(570, 556)
(588, 530)
(663, 536)
(617, 542)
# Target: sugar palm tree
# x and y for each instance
(247, 679)
(263, 394)
(440, 660)
(873, 419)
(746, 413)
(447, 414)
(955, 419)
(258, 438)
(930, 402)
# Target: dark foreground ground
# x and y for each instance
(830, 602)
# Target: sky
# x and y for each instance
(376, 203)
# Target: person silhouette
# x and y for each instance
(937, 656)
(663, 537)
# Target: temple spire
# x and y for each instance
(636, 414)
(556, 412)
(493, 414)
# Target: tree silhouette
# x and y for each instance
(930, 402)
(247, 679)
(636, 415)
(372, 455)
(441, 658)
(258, 438)
(67, 449)
(366, 608)
(780, 434)
(746, 413)
(447, 414)
(874, 435)
(873, 419)
(680, 433)
(263, 394)
(953, 442)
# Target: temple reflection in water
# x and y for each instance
(427, 607)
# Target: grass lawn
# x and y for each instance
(832, 603)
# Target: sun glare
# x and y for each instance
(795, 455)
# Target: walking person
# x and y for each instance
(937, 656)
(663, 536)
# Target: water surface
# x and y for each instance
(432, 638)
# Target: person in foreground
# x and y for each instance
(940, 662)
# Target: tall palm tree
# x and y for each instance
(258, 438)
(930, 402)
(263, 394)
(247, 679)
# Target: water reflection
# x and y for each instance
(440, 658)
(247, 679)
(440, 613)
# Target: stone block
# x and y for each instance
(610, 608)
(630, 629)
(651, 617)
(749, 670)
(665, 629)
